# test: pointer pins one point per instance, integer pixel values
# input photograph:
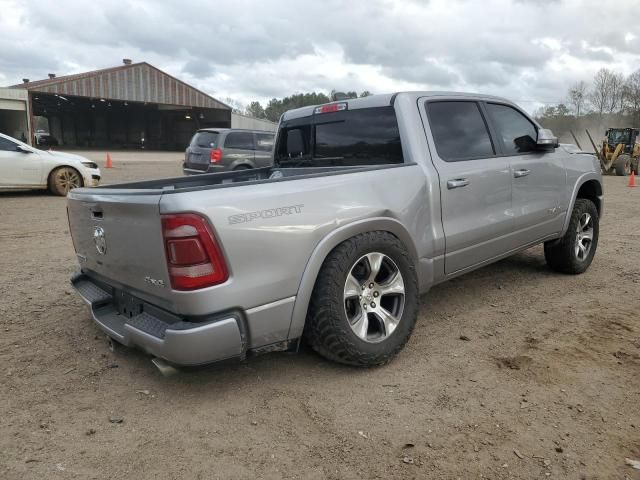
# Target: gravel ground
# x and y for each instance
(546, 383)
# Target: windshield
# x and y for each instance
(618, 136)
(205, 139)
(367, 136)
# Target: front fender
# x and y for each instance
(325, 246)
(584, 178)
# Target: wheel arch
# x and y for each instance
(64, 165)
(588, 186)
(58, 167)
(243, 162)
(326, 246)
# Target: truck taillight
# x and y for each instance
(216, 155)
(193, 255)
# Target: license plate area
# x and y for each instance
(127, 305)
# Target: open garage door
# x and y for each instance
(13, 119)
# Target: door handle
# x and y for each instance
(457, 183)
(521, 173)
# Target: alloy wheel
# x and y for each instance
(584, 237)
(374, 296)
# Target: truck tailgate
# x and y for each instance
(119, 237)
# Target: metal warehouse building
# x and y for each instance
(134, 105)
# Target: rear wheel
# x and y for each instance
(574, 252)
(365, 301)
(64, 179)
(242, 167)
(623, 165)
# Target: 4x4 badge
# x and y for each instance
(100, 240)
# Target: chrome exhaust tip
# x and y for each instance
(165, 369)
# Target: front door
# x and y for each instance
(475, 184)
(538, 178)
(19, 168)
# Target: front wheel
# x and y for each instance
(64, 179)
(573, 253)
(365, 301)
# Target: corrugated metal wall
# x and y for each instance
(242, 121)
(135, 83)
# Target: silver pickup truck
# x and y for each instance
(370, 202)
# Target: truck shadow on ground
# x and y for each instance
(25, 193)
(503, 279)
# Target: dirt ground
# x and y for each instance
(546, 386)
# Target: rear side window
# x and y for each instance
(7, 145)
(517, 133)
(367, 136)
(240, 140)
(205, 139)
(264, 142)
(459, 130)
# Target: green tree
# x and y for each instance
(276, 107)
(255, 110)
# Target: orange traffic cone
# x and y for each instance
(109, 161)
(632, 179)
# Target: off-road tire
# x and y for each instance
(623, 165)
(57, 187)
(560, 254)
(327, 329)
(634, 165)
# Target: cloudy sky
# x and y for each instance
(528, 50)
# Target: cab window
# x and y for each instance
(459, 130)
(514, 130)
(7, 145)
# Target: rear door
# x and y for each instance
(198, 154)
(264, 147)
(538, 178)
(239, 149)
(19, 168)
(475, 184)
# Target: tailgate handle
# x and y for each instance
(96, 213)
(521, 173)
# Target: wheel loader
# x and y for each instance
(620, 151)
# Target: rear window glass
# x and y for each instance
(367, 136)
(240, 140)
(205, 139)
(264, 141)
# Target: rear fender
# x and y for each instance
(326, 245)
(243, 162)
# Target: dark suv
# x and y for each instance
(218, 149)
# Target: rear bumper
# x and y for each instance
(133, 322)
(210, 169)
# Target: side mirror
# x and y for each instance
(21, 149)
(546, 140)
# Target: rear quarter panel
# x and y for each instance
(269, 232)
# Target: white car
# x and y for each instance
(25, 167)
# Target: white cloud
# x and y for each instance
(530, 51)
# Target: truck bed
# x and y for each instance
(223, 180)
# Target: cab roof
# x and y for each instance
(382, 100)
